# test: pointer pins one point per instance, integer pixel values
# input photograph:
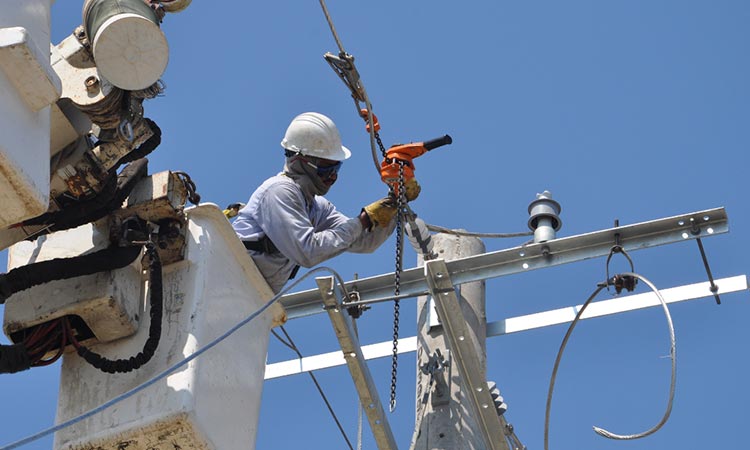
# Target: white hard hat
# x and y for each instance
(314, 134)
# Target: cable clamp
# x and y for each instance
(437, 363)
(619, 281)
(355, 311)
(343, 65)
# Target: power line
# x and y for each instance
(170, 369)
(290, 343)
(440, 229)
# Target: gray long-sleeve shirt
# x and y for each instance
(307, 230)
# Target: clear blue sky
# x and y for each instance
(630, 110)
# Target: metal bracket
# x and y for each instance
(355, 360)
(478, 397)
(438, 368)
(696, 231)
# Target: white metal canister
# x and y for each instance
(129, 47)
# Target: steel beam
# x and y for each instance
(527, 257)
(368, 394)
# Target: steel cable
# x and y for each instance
(440, 229)
(673, 357)
(290, 343)
(331, 26)
(375, 138)
(368, 105)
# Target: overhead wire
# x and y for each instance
(291, 345)
(174, 367)
(331, 26)
(359, 93)
(673, 357)
(440, 229)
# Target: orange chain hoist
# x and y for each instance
(402, 155)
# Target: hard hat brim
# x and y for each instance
(342, 155)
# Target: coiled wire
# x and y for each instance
(673, 356)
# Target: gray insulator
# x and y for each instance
(497, 399)
(544, 218)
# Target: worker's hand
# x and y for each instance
(412, 189)
(381, 212)
(233, 209)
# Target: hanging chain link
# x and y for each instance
(400, 201)
(380, 143)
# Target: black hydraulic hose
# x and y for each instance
(109, 199)
(24, 277)
(14, 358)
(154, 333)
(147, 147)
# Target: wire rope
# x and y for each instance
(171, 368)
(440, 229)
(290, 343)
(373, 136)
(331, 26)
(368, 104)
(282, 340)
(673, 357)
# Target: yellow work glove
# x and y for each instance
(412, 189)
(381, 212)
(233, 209)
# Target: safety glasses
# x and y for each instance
(326, 171)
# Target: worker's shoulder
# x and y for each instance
(280, 185)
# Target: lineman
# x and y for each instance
(287, 223)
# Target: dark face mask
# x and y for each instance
(306, 175)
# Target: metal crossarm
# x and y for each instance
(530, 257)
(368, 394)
(519, 324)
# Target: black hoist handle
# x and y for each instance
(438, 142)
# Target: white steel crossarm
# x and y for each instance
(368, 394)
(521, 323)
(529, 257)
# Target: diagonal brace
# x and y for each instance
(464, 356)
(355, 361)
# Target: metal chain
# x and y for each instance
(380, 144)
(192, 190)
(400, 200)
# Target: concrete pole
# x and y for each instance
(442, 420)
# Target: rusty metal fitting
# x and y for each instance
(92, 84)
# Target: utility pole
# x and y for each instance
(443, 421)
